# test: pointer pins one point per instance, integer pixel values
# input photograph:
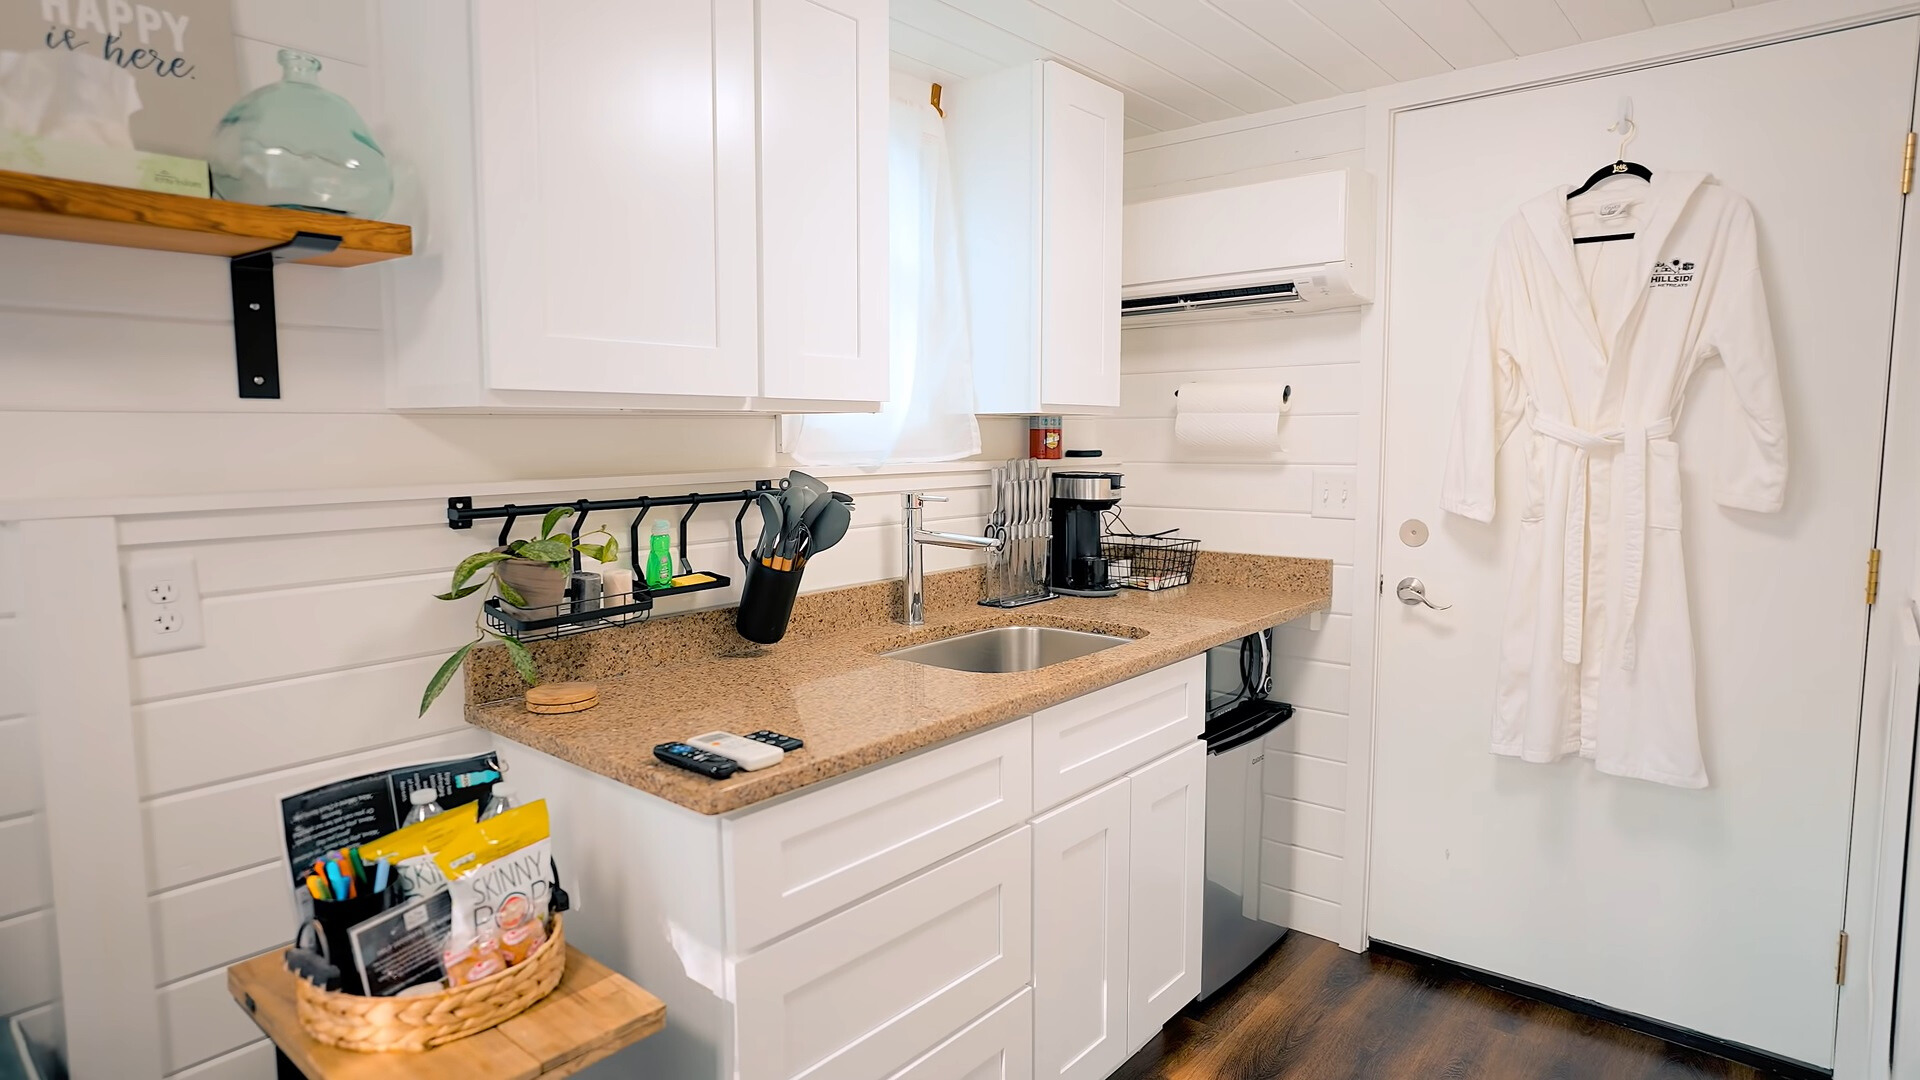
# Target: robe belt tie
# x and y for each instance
(1630, 442)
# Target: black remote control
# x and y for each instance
(693, 759)
(774, 738)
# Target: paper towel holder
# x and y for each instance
(1286, 394)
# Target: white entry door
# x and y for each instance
(1716, 910)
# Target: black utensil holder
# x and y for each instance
(336, 917)
(766, 603)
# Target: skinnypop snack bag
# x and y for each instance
(498, 871)
(410, 851)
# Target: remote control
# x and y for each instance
(774, 738)
(694, 759)
(751, 755)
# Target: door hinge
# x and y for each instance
(1873, 575)
(1840, 965)
(1906, 167)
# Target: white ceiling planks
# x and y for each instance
(1229, 39)
(1669, 11)
(1186, 62)
(1131, 30)
(1394, 49)
(1288, 26)
(1454, 29)
(1606, 18)
(1528, 26)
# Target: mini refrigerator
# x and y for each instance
(1232, 934)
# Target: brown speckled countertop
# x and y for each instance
(827, 684)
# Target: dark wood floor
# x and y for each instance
(1313, 1011)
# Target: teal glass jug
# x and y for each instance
(298, 145)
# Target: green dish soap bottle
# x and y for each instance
(660, 556)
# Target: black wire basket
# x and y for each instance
(1149, 562)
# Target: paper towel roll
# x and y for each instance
(1230, 416)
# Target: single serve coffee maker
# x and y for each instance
(1079, 500)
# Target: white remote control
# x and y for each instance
(750, 754)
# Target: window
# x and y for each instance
(930, 416)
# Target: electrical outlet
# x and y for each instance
(1333, 493)
(163, 603)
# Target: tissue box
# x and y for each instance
(114, 165)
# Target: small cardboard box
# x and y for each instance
(114, 165)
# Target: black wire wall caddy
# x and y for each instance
(560, 620)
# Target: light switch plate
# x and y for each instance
(162, 599)
(1333, 493)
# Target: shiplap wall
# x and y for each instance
(321, 630)
(29, 971)
(1262, 503)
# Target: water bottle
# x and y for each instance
(426, 804)
(499, 803)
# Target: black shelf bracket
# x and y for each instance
(256, 335)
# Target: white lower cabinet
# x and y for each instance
(998, 1046)
(1167, 876)
(1080, 940)
(862, 993)
(1022, 902)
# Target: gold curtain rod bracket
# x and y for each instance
(934, 100)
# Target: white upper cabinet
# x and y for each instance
(823, 199)
(660, 204)
(1036, 160)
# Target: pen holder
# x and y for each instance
(335, 918)
(766, 603)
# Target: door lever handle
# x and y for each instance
(1412, 592)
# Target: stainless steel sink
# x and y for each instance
(1007, 648)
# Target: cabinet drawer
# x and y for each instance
(998, 1046)
(1080, 744)
(865, 992)
(791, 863)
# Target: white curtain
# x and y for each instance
(930, 414)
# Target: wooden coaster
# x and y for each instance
(578, 706)
(563, 697)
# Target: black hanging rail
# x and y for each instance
(560, 620)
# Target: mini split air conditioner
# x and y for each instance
(1280, 247)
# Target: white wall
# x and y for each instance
(29, 968)
(1262, 503)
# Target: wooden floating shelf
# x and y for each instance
(56, 209)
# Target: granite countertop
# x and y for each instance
(826, 683)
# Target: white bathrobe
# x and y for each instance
(1590, 348)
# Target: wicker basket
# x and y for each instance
(352, 1022)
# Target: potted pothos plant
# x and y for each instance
(526, 574)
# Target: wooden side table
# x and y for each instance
(593, 1013)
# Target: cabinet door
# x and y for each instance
(1081, 135)
(1167, 873)
(1080, 939)
(823, 199)
(865, 992)
(616, 211)
(998, 1046)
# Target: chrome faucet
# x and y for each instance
(915, 606)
